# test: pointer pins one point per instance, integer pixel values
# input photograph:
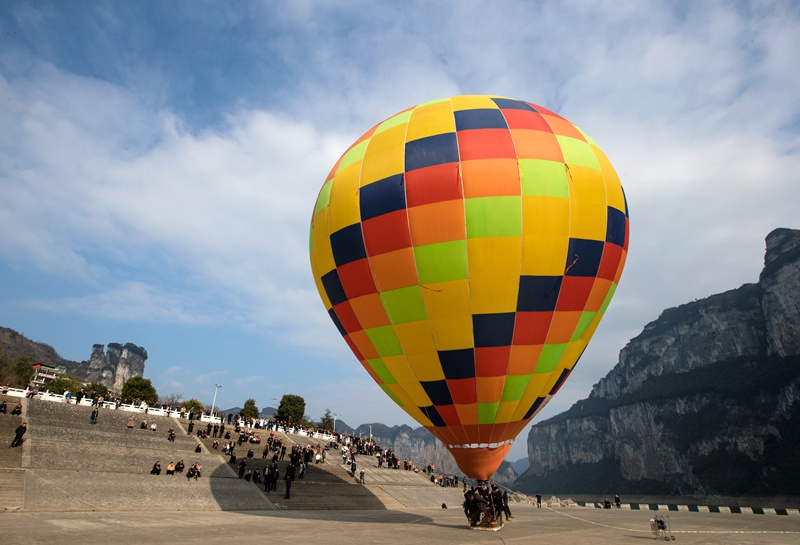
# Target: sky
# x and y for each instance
(159, 164)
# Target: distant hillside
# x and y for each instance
(15, 344)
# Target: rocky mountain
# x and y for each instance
(705, 401)
(111, 367)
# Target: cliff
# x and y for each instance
(703, 402)
(111, 365)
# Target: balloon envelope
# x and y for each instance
(466, 249)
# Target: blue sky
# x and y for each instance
(159, 163)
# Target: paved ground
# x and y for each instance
(564, 526)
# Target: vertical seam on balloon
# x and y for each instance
(460, 180)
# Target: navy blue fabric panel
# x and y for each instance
(615, 227)
(583, 257)
(434, 416)
(511, 104)
(348, 245)
(333, 288)
(560, 382)
(482, 118)
(493, 329)
(337, 322)
(538, 293)
(438, 392)
(534, 407)
(382, 197)
(432, 150)
(458, 363)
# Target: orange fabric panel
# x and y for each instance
(490, 178)
(394, 270)
(537, 145)
(480, 463)
(437, 222)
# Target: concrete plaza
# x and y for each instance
(442, 527)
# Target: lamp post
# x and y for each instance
(216, 388)
(334, 422)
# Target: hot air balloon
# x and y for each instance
(466, 249)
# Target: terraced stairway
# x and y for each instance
(12, 476)
(74, 465)
(330, 486)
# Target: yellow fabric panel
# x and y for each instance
(588, 220)
(344, 207)
(570, 356)
(505, 413)
(426, 367)
(586, 336)
(416, 392)
(452, 333)
(320, 288)
(537, 387)
(446, 299)
(430, 119)
(614, 195)
(489, 257)
(385, 155)
(586, 184)
(417, 415)
(545, 216)
(544, 255)
(398, 367)
(414, 337)
(495, 294)
(471, 102)
(323, 254)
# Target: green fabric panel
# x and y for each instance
(611, 292)
(391, 394)
(382, 371)
(548, 360)
(515, 387)
(442, 262)
(324, 197)
(493, 217)
(399, 119)
(543, 178)
(583, 323)
(404, 305)
(578, 152)
(487, 412)
(354, 155)
(384, 340)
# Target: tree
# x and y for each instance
(139, 388)
(326, 423)
(16, 372)
(98, 388)
(193, 406)
(172, 400)
(62, 383)
(291, 408)
(250, 410)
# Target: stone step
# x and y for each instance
(12, 489)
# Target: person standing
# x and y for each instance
(20, 431)
(93, 418)
(288, 485)
(538, 500)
